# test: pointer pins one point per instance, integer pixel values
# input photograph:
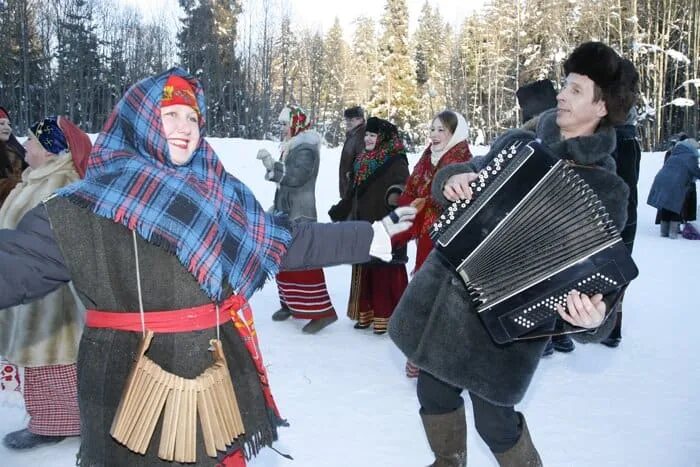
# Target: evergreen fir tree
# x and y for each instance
(395, 93)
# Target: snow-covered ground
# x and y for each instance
(349, 403)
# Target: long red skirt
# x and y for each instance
(376, 290)
(305, 294)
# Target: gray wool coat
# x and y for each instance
(296, 176)
(435, 323)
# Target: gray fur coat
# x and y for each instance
(295, 175)
(435, 324)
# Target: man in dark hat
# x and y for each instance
(354, 145)
(435, 323)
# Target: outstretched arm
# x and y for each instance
(31, 263)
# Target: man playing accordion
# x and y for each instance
(435, 323)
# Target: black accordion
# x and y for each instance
(533, 231)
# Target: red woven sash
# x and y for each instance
(182, 320)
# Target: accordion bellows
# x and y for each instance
(533, 231)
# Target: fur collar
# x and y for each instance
(596, 149)
(305, 137)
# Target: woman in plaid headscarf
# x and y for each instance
(159, 237)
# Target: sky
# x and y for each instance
(322, 13)
(349, 404)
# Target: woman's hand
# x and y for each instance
(266, 158)
(583, 311)
(457, 186)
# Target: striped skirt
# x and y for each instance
(305, 294)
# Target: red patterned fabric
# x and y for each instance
(179, 91)
(51, 400)
(237, 459)
(78, 142)
(305, 294)
(10, 379)
(245, 326)
(419, 185)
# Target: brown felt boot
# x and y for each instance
(447, 437)
(523, 454)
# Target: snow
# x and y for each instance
(349, 404)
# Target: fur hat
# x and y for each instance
(380, 126)
(616, 77)
(354, 112)
(536, 97)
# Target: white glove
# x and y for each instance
(266, 158)
(399, 220)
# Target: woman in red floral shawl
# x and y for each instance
(448, 145)
(379, 175)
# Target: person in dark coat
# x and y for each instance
(159, 237)
(12, 162)
(627, 155)
(353, 146)
(689, 210)
(435, 324)
(378, 178)
(669, 190)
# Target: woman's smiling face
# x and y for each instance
(181, 128)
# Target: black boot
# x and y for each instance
(316, 325)
(25, 439)
(523, 454)
(281, 314)
(447, 437)
(563, 343)
(613, 340)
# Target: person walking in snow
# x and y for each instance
(378, 178)
(672, 183)
(303, 294)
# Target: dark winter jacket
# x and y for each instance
(59, 241)
(370, 200)
(435, 323)
(354, 145)
(675, 177)
(627, 157)
(296, 177)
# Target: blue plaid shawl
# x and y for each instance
(205, 216)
